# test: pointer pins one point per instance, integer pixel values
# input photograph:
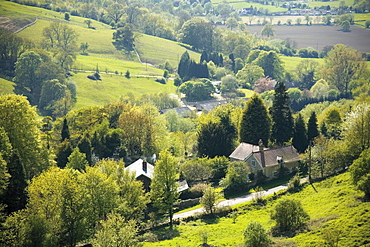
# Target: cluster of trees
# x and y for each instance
(41, 73)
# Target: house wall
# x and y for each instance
(273, 171)
(146, 182)
(253, 168)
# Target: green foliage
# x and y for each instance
(300, 140)
(289, 216)
(77, 160)
(164, 187)
(312, 127)
(116, 231)
(199, 34)
(249, 74)
(19, 121)
(216, 138)
(196, 170)
(270, 63)
(63, 151)
(281, 116)
(236, 178)
(360, 172)
(342, 65)
(268, 30)
(197, 90)
(255, 235)
(61, 40)
(255, 123)
(124, 38)
(208, 200)
(4, 175)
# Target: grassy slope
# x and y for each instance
(112, 87)
(6, 87)
(334, 198)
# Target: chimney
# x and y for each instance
(260, 144)
(145, 166)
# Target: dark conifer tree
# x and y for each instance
(281, 115)
(65, 130)
(183, 67)
(64, 150)
(204, 57)
(85, 147)
(216, 139)
(15, 195)
(255, 123)
(300, 141)
(312, 129)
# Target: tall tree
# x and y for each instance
(360, 172)
(300, 140)
(115, 11)
(124, 38)
(271, 64)
(164, 187)
(65, 131)
(217, 138)
(183, 67)
(25, 76)
(15, 196)
(255, 123)
(20, 122)
(342, 65)
(62, 41)
(198, 33)
(281, 115)
(312, 127)
(268, 30)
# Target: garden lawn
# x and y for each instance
(112, 87)
(332, 203)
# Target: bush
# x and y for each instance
(367, 24)
(360, 172)
(289, 216)
(255, 235)
(294, 183)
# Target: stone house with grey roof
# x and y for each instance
(268, 161)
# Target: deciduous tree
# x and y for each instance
(208, 200)
(164, 186)
(360, 172)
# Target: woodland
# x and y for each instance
(89, 87)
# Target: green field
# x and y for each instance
(332, 203)
(6, 87)
(112, 87)
(291, 63)
(335, 4)
(18, 11)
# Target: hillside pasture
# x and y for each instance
(112, 87)
(318, 36)
(290, 63)
(156, 50)
(331, 204)
(19, 13)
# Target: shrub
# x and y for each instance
(208, 200)
(294, 183)
(367, 24)
(360, 172)
(289, 216)
(255, 235)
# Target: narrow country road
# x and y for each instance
(232, 202)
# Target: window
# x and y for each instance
(276, 174)
(253, 163)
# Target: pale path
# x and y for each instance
(232, 202)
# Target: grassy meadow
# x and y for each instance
(331, 204)
(290, 63)
(112, 87)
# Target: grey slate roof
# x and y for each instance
(179, 110)
(137, 167)
(243, 151)
(269, 157)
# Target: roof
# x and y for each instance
(179, 110)
(137, 167)
(243, 151)
(183, 185)
(210, 105)
(271, 156)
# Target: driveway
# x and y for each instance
(232, 202)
